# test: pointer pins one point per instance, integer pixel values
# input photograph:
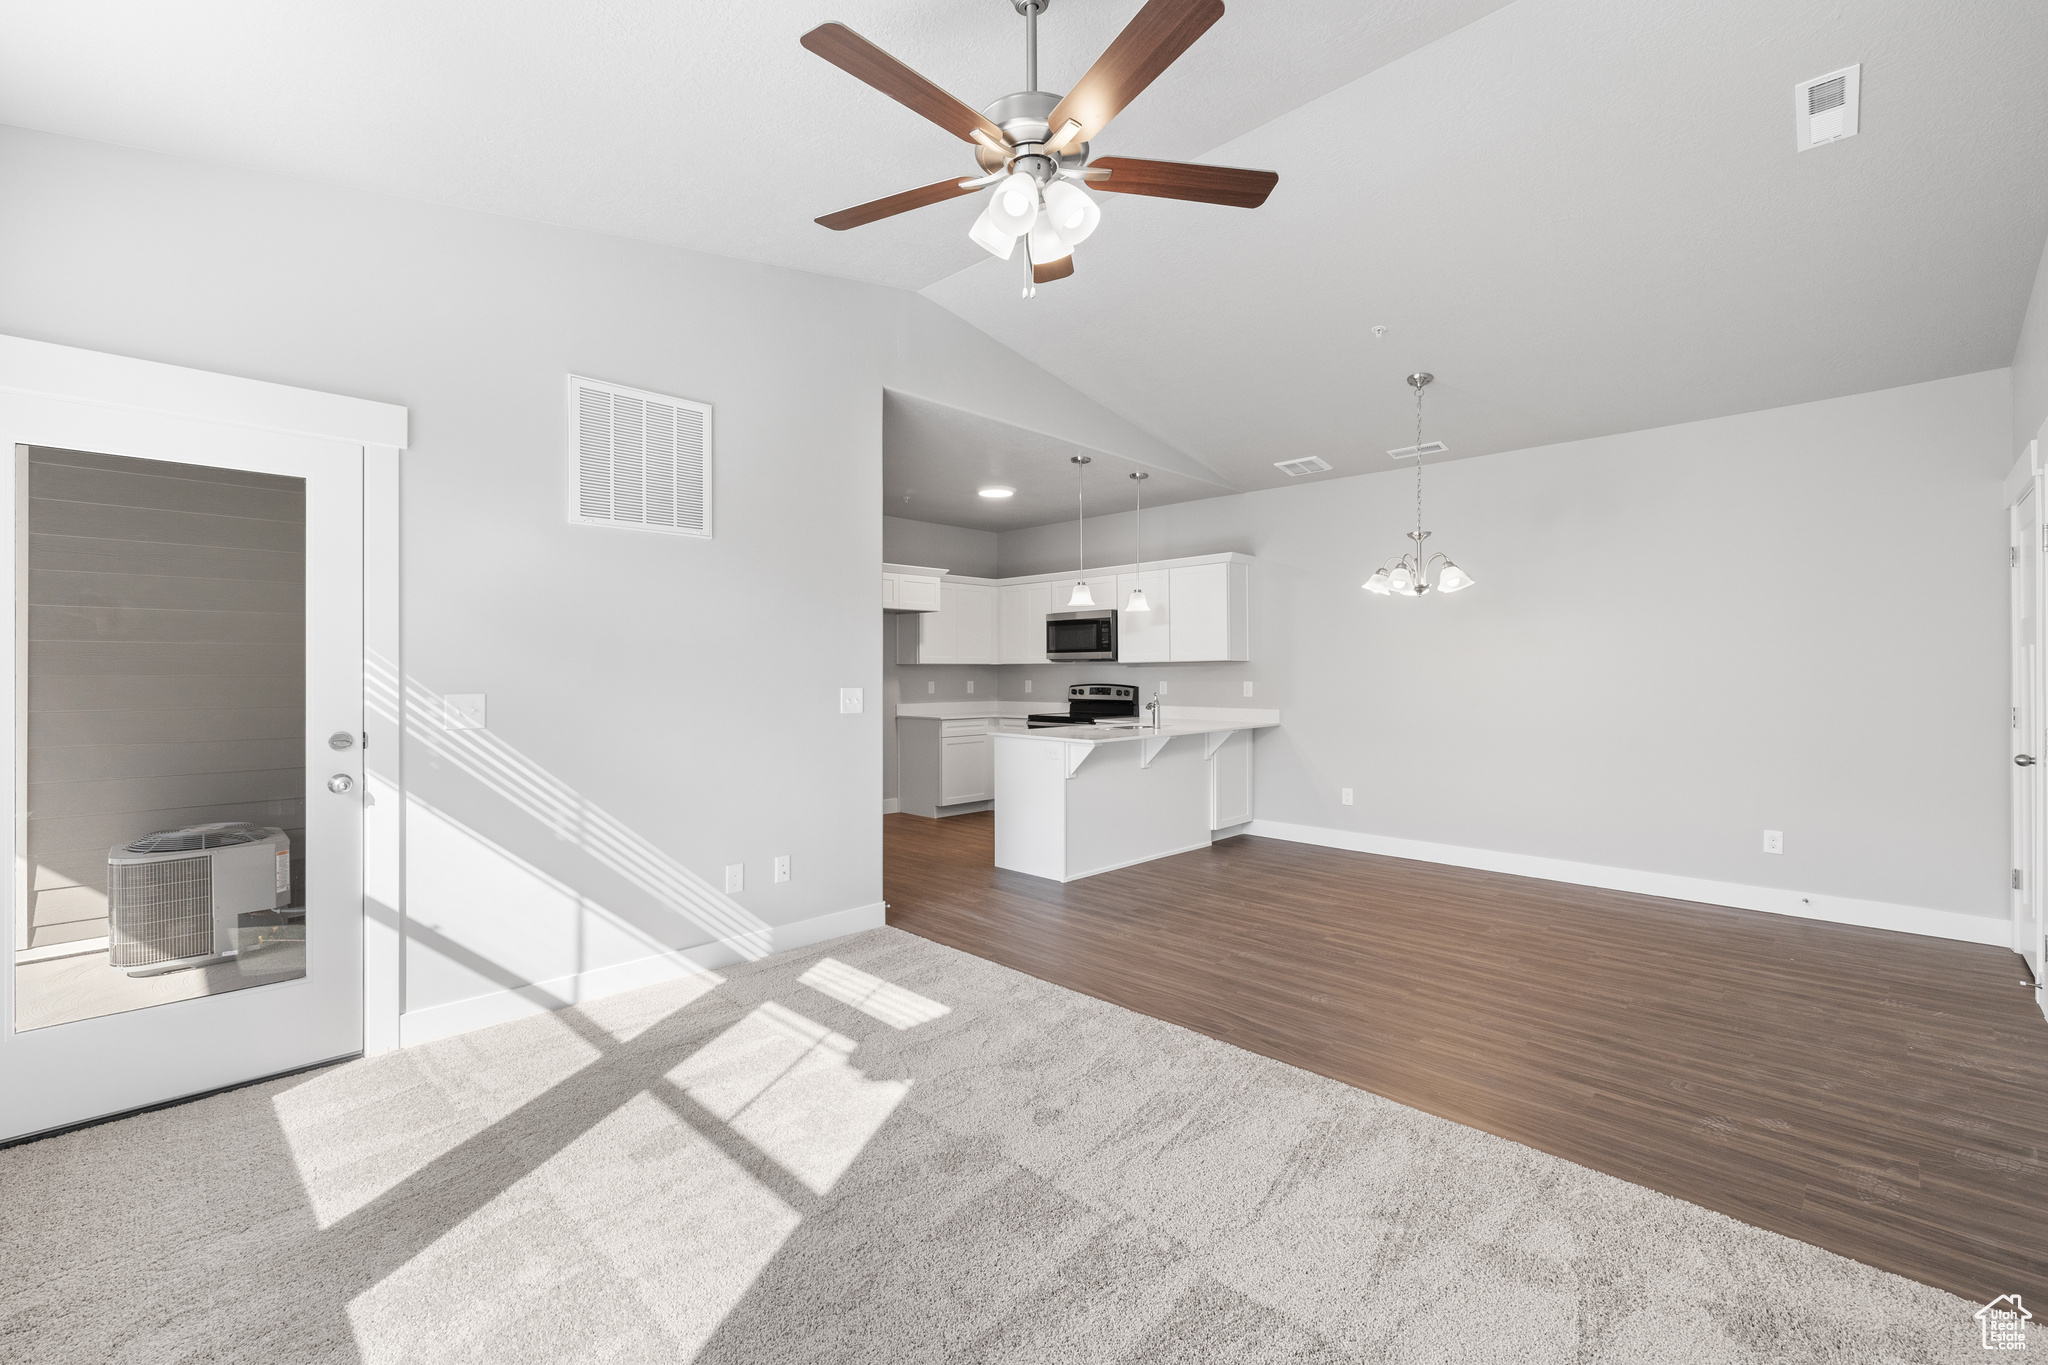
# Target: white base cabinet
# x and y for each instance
(943, 767)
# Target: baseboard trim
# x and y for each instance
(1905, 919)
(892, 805)
(1133, 862)
(498, 1007)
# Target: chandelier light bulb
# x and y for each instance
(1014, 206)
(1401, 581)
(1074, 214)
(990, 238)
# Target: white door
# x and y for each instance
(160, 681)
(2028, 724)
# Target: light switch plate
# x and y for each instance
(462, 711)
(849, 701)
(735, 876)
(782, 867)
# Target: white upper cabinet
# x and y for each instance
(961, 631)
(1022, 608)
(1141, 636)
(908, 588)
(1211, 612)
(1102, 587)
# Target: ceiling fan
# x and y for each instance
(1033, 145)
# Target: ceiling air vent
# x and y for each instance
(1307, 464)
(643, 460)
(1824, 108)
(1426, 448)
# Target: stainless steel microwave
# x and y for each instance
(1076, 635)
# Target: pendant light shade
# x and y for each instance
(1013, 208)
(1378, 583)
(1074, 215)
(990, 238)
(1452, 578)
(1082, 597)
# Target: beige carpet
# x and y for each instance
(880, 1150)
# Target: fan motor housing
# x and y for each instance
(1022, 117)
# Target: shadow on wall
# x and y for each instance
(504, 919)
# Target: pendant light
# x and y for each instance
(1408, 575)
(1138, 602)
(1082, 597)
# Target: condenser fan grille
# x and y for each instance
(159, 911)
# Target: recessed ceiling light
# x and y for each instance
(997, 491)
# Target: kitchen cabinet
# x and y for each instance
(1211, 612)
(907, 588)
(961, 631)
(944, 766)
(1021, 609)
(966, 772)
(1102, 587)
(1141, 636)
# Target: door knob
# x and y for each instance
(341, 782)
(2025, 760)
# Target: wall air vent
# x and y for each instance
(1414, 452)
(1307, 464)
(642, 460)
(1824, 109)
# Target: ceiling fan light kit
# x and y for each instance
(1033, 145)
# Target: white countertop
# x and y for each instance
(974, 710)
(1178, 720)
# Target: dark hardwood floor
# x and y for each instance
(1881, 1095)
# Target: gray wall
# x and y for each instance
(956, 549)
(2030, 364)
(669, 704)
(166, 662)
(1790, 620)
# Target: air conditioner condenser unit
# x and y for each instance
(173, 896)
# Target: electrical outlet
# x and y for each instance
(1162, 688)
(782, 867)
(735, 877)
(1027, 686)
(970, 689)
(1774, 841)
(849, 701)
(462, 711)
(1247, 689)
(1345, 795)
(931, 687)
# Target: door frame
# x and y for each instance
(146, 393)
(2028, 820)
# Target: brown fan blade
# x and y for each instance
(1148, 45)
(1181, 180)
(937, 192)
(1052, 270)
(863, 61)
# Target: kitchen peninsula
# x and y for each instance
(1072, 801)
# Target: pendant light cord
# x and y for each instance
(1418, 474)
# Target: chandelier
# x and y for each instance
(1408, 574)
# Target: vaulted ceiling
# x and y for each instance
(1585, 216)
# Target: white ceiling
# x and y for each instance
(699, 123)
(935, 458)
(1585, 216)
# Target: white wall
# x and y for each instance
(1789, 620)
(669, 704)
(2030, 364)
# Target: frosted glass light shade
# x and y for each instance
(1047, 245)
(1137, 602)
(1082, 597)
(1377, 583)
(1401, 581)
(1074, 215)
(990, 238)
(1013, 208)
(1452, 578)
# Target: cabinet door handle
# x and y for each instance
(2025, 760)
